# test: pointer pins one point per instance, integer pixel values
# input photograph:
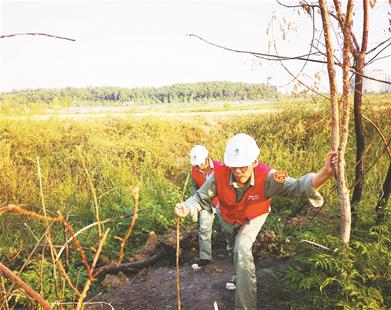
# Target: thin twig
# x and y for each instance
(135, 192)
(23, 285)
(178, 287)
(185, 186)
(3, 295)
(26, 261)
(73, 287)
(283, 58)
(90, 278)
(88, 227)
(16, 255)
(58, 303)
(31, 231)
(41, 268)
(49, 235)
(92, 190)
(295, 77)
(316, 244)
(178, 223)
(78, 246)
(380, 134)
(34, 34)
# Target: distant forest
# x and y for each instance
(190, 92)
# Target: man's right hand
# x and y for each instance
(180, 209)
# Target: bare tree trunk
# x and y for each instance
(384, 196)
(358, 88)
(332, 76)
(339, 127)
(358, 126)
(344, 128)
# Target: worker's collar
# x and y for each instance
(232, 181)
(211, 166)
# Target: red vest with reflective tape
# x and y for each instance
(253, 202)
(199, 178)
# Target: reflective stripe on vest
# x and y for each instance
(253, 202)
(200, 178)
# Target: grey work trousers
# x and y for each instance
(242, 237)
(205, 233)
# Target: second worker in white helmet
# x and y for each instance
(202, 167)
(244, 188)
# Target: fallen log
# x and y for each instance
(132, 267)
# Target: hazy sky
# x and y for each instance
(144, 43)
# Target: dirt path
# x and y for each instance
(155, 288)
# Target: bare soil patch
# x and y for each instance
(155, 287)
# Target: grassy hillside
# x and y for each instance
(152, 153)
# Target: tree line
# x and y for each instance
(187, 92)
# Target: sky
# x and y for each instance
(144, 43)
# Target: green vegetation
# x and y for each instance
(151, 153)
(205, 91)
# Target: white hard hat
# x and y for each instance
(198, 154)
(241, 151)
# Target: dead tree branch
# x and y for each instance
(78, 246)
(88, 227)
(284, 58)
(377, 46)
(90, 276)
(16, 209)
(34, 34)
(375, 57)
(131, 266)
(385, 142)
(23, 285)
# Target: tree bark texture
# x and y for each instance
(358, 126)
(358, 93)
(339, 125)
(344, 128)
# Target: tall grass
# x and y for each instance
(152, 153)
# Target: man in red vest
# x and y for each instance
(202, 167)
(244, 188)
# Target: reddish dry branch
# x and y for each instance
(18, 210)
(91, 277)
(79, 248)
(135, 193)
(23, 285)
(74, 288)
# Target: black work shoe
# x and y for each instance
(200, 263)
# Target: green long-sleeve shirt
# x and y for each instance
(292, 187)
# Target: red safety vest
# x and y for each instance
(199, 178)
(253, 202)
